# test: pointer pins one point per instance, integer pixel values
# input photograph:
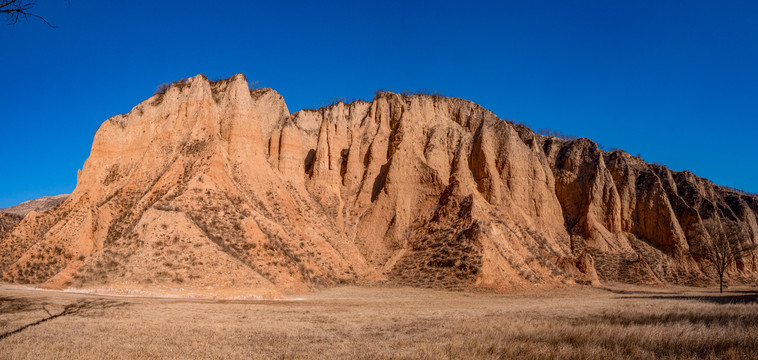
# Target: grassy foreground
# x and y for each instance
(398, 323)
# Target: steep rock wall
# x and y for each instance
(210, 188)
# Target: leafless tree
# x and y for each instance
(725, 246)
(16, 10)
(555, 133)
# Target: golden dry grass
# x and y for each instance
(399, 323)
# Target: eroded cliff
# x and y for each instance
(210, 188)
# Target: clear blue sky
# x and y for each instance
(675, 81)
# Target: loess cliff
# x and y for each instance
(210, 189)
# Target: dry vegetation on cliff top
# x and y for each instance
(400, 323)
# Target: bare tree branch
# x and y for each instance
(16, 10)
(723, 245)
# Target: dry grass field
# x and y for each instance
(396, 323)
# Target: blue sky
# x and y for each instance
(675, 81)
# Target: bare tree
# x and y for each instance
(555, 133)
(16, 10)
(725, 246)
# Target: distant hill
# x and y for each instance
(11, 216)
(40, 205)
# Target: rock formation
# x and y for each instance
(210, 188)
(8, 221)
(11, 216)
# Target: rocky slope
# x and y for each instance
(8, 221)
(210, 188)
(11, 216)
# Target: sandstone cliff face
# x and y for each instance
(213, 189)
